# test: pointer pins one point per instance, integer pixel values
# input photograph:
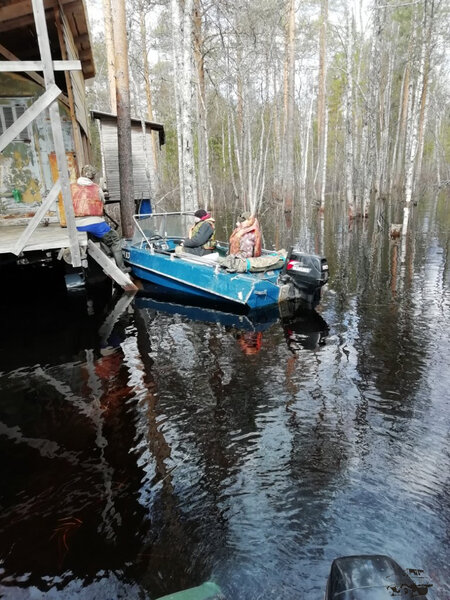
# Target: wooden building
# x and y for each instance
(45, 59)
(147, 137)
(44, 124)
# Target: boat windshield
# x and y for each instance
(162, 225)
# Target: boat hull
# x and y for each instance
(205, 281)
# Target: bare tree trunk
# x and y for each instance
(401, 153)
(324, 162)
(383, 157)
(127, 207)
(190, 186)
(148, 89)
(288, 128)
(305, 146)
(177, 74)
(184, 90)
(424, 93)
(349, 117)
(396, 150)
(109, 41)
(204, 187)
(374, 84)
(322, 132)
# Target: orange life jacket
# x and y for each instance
(86, 200)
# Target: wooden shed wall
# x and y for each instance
(76, 77)
(144, 178)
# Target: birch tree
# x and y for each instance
(322, 122)
(368, 169)
(183, 91)
(416, 112)
(288, 121)
(349, 192)
(205, 191)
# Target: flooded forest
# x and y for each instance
(153, 446)
(150, 445)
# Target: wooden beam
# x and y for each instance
(49, 77)
(110, 267)
(21, 9)
(34, 76)
(16, 23)
(67, 74)
(84, 54)
(39, 215)
(20, 14)
(83, 38)
(43, 102)
(17, 66)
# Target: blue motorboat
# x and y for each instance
(152, 256)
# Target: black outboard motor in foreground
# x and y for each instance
(308, 273)
(373, 577)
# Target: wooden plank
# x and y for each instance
(39, 215)
(75, 127)
(110, 267)
(34, 76)
(14, 10)
(18, 66)
(49, 77)
(29, 115)
(50, 237)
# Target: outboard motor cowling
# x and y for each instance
(308, 273)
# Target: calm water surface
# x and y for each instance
(148, 448)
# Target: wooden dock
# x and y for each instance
(54, 237)
(44, 237)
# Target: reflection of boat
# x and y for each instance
(259, 320)
(152, 257)
(304, 329)
(373, 577)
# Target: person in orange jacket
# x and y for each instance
(88, 203)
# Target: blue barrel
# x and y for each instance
(145, 207)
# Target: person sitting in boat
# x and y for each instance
(88, 200)
(245, 241)
(201, 239)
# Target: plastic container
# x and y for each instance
(17, 195)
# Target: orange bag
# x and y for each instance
(86, 200)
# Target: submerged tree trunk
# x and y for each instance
(424, 91)
(374, 84)
(413, 121)
(322, 121)
(288, 128)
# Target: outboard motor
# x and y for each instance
(308, 273)
(374, 577)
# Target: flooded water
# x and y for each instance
(147, 448)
